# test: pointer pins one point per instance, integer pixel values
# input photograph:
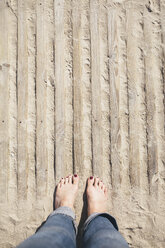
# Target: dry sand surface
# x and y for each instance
(82, 90)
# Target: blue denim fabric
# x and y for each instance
(101, 231)
(59, 230)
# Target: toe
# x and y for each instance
(70, 179)
(90, 180)
(96, 181)
(106, 191)
(66, 180)
(75, 179)
(61, 181)
(59, 184)
(100, 184)
(103, 187)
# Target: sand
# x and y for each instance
(82, 91)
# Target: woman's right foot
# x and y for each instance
(66, 191)
(96, 196)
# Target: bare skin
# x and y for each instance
(96, 196)
(66, 191)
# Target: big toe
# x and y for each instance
(75, 179)
(90, 181)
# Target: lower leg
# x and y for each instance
(58, 230)
(101, 231)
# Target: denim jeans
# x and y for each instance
(59, 231)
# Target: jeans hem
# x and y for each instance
(68, 212)
(104, 214)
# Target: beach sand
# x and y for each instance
(82, 91)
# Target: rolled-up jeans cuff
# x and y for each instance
(66, 211)
(104, 214)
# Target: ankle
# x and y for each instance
(66, 204)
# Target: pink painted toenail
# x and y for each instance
(75, 175)
(91, 177)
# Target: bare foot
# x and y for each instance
(66, 191)
(96, 196)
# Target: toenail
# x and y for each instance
(91, 177)
(75, 175)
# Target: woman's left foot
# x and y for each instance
(66, 191)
